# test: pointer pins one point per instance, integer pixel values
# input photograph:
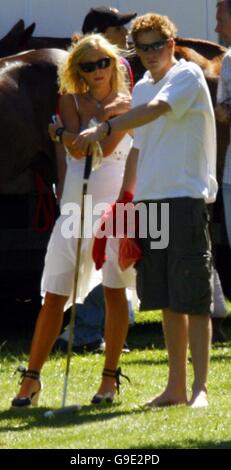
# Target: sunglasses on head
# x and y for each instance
(154, 46)
(88, 67)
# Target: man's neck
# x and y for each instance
(158, 76)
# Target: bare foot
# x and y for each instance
(199, 400)
(166, 399)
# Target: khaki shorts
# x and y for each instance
(178, 277)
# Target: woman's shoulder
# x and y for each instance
(68, 97)
(71, 100)
(66, 100)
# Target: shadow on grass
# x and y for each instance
(188, 445)
(35, 417)
(147, 362)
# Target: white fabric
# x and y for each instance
(104, 185)
(177, 152)
(112, 274)
(224, 94)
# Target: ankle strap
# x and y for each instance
(116, 374)
(28, 373)
(109, 373)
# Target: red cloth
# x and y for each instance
(129, 252)
(99, 246)
(44, 218)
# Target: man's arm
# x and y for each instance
(138, 116)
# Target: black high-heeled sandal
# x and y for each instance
(19, 402)
(108, 397)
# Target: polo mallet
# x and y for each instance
(73, 408)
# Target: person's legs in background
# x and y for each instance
(226, 191)
(219, 311)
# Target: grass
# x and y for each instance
(125, 424)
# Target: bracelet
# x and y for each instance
(109, 128)
(59, 134)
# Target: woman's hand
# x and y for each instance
(53, 126)
(222, 113)
(120, 105)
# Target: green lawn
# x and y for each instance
(125, 424)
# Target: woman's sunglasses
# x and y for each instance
(154, 46)
(88, 67)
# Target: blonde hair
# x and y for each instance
(153, 22)
(71, 79)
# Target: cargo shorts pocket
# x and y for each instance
(191, 285)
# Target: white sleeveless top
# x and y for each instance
(109, 174)
(119, 153)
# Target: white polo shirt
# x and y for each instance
(177, 152)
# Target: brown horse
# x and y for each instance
(28, 96)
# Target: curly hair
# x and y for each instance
(153, 22)
(71, 78)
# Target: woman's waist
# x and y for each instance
(80, 163)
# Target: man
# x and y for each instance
(173, 160)
(223, 21)
(223, 108)
(110, 22)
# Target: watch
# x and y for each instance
(59, 134)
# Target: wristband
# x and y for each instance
(109, 127)
(59, 134)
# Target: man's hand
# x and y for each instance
(88, 137)
(120, 105)
(222, 113)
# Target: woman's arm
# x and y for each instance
(138, 116)
(71, 123)
(120, 105)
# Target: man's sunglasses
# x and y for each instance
(154, 46)
(88, 67)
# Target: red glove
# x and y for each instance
(99, 246)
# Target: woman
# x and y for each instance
(93, 85)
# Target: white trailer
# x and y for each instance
(60, 18)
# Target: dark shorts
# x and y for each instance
(178, 277)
